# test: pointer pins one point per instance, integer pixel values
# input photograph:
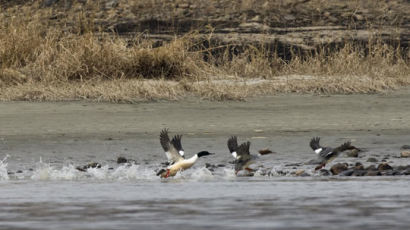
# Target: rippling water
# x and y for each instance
(41, 189)
(131, 196)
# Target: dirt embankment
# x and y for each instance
(119, 50)
(286, 26)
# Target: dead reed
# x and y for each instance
(41, 62)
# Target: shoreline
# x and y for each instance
(270, 114)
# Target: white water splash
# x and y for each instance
(47, 172)
(3, 169)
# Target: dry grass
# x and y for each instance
(42, 63)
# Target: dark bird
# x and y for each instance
(174, 152)
(241, 153)
(327, 154)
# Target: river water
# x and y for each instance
(45, 191)
(42, 143)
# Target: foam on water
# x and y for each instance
(127, 172)
(3, 169)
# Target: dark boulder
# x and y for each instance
(406, 172)
(122, 160)
(371, 159)
(405, 147)
(371, 168)
(384, 166)
(348, 172)
(305, 174)
(372, 173)
(390, 172)
(324, 172)
(359, 172)
(359, 166)
(338, 168)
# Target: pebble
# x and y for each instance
(299, 172)
(371, 159)
(405, 154)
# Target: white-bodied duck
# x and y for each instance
(175, 154)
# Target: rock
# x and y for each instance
(358, 166)
(405, 147)
(384, 166)
(390, 172)
(324, 172)
(372, 173)
(371, 159)
(348, 172)
(359, 173)
(299, 172)
(371, 168)
(122, 160)
(19, 171)
(265, 151)
(305, 174)
(405, 154)
(338, 168)
(353, 153)
(87, 166)
(406, 172)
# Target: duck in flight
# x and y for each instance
(243, 158)
(175, 154)
(327, 154)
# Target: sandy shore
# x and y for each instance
(290, 113)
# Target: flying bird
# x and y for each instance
(175, 155)
(327, 154)
(241, 153)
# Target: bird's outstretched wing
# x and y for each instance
(232, 144)
(170, 150)
(243, 150)
(176, 142)
(314, 143)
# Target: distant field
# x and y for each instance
(128, 51)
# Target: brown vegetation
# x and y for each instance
(40, 60)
